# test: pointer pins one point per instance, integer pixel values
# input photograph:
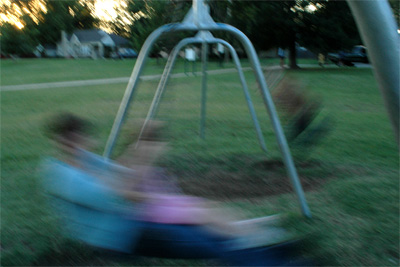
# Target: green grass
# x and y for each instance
(55, 70)
(355, 213)
(26, 71)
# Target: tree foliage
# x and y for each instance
(283, 24)
(15, 41)
(269, 24)
(119, 27)
(151, 14)
(395, 5)
(19, 41)
(64, 16)
(41, 26)
(330, 28)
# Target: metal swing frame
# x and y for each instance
(198, 19)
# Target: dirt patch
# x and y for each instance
(260, 179)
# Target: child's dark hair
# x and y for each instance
(65, 124)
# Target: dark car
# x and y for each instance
(127, 53)
(358, 54)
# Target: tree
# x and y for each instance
(119, 27)
(395, 5)
(330, 28)
(151, 14)
(64, 16)
(268, 24)
(20, 38)
(45, 25)
(271, 24)
(17, 8)
(220, 10)
(83, 16)
(15, 41)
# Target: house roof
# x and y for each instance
(89, 35)
(118, 40)
(96, 35)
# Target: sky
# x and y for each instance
(107, 9)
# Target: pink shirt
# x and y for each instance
(173, 209)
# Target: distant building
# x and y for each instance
(93, 43)
(50, 50)
(119, 41)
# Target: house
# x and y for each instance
(92, 43)
(119, 41)
(50, 50)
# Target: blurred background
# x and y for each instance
(350, 174)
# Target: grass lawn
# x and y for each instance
(26, 71)
(351, 176)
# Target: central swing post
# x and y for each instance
(198, 19)
(204, 55)
(201, 38)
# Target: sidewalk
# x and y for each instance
(36, 86)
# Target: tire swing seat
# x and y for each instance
(89, 210)
(92, 213)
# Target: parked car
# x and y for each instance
(127, 53)
(358, 54)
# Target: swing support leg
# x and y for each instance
(167, 74)
(281, 139)
(164, 81)
(131, 87)
(246, 95)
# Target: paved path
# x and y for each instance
(36, 86)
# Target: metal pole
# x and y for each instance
(164, 81)
(130, 89)
(246, 93)
(203, 88)
(378, 30)
(206, 23)
(281, 139)
(167, 73)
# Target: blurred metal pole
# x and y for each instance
(247, 96)
(199, 19)
(280, 136)
(130, 88)
(378, 30)
(164, 81)
(204, 56)
(167, 74)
